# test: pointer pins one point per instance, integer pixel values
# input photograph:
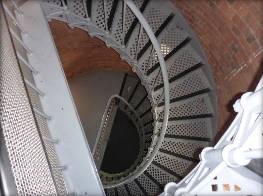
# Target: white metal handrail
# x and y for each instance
(104, 119)
(143, 166)
(235, 149)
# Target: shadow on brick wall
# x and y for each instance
(252, 88)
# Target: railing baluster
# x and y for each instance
(123, 22)
(26, 63)
(41, 113)
(150, 60)
(105, 15)
(85, 9)
(47, 139)
(34, 88)
(17, 8)
(156, 79)
(139, 41)
(15, 20)
(63, 3)
(21, 42)
(59, 168)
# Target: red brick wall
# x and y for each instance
(80, 53)
(230, 33)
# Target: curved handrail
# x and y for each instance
(104, 120)
(157, 48)
(144, 25)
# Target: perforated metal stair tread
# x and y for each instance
(190, 85)
(191, 108)
(178, 165)
(186, 148)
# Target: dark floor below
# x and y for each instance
(123, 145)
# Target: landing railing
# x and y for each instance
(222, 165)
(47, 150)
(114, 103)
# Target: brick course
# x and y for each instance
(81, 53)
(230, 33)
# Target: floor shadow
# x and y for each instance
(123, 146)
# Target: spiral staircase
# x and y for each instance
(174, 94)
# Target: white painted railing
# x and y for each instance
(241, 143)
(104, 130)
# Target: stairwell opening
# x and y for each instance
(192, 118)
(123, 145)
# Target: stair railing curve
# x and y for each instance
(97, 146)
(156, 46)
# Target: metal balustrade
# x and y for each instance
(114, 103)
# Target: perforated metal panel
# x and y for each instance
(149, 186)
(109, 4)
(155, 18)
(147, 117)
(53, 2)
(146, 105)
(192, 128)
(175, 164)
(98, 16)
(191, 83)
(78, 8)
(188, 148)
(27, 158)
(130, 17)
(117, 26)
(148, 128)
(169, 39)
(160, 175)
(194, 106)
(121, 191)
(41, 122)
(110, 192)
(148, 137)
(172, 38)
(183, 60)
(138, 96)
(134, 189)
(129, 86)
(54, 162)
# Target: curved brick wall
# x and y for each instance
(80, 53)
(230, 33)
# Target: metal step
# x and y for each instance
(161, 175)
(167, 43)
(117, 33)
(185, 148)
(191, 108)
(178, 165)
(138, 96)
(189, 85)
(122, 191)
(134, 189)
(155, 19)
(179, 64)
(148, 185)
(110, 192)
(194, 128)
